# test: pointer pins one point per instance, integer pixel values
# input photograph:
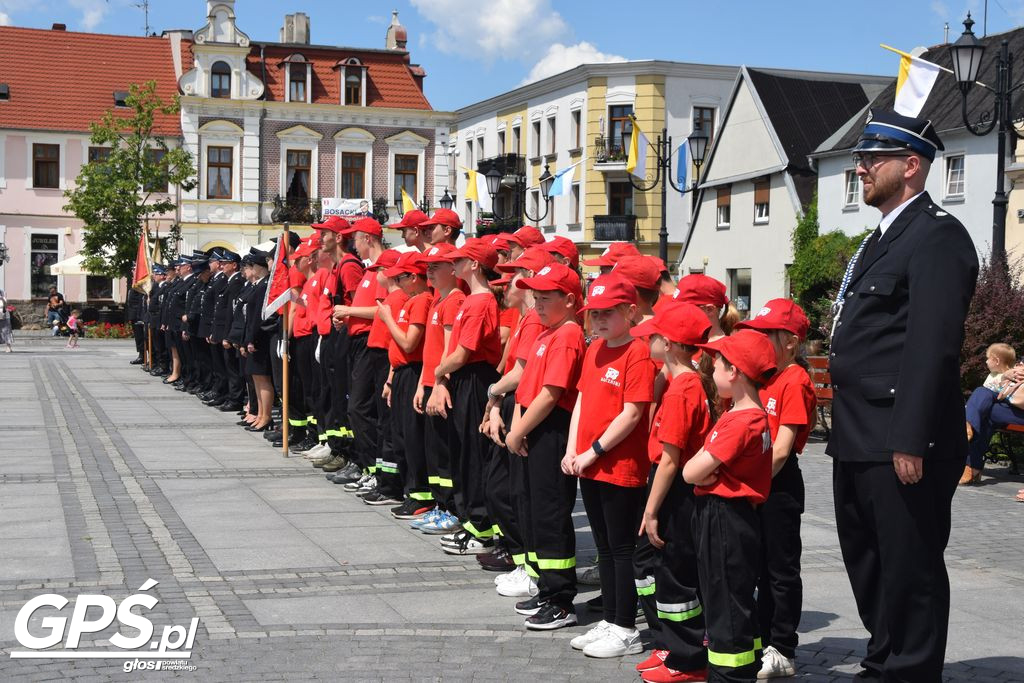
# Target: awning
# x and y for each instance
(70, 266)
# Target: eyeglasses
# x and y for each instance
(869, 160)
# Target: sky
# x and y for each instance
(475, 49)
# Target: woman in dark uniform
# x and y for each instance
(236, 337)
(257, 343)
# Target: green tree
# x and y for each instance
(114, 195)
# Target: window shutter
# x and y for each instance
(724, 195)
(761, 192)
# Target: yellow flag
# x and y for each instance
(636, 162)
(407, 203)
(471, 188)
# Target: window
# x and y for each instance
(551, 135)
(468, 218)
(98, 287)
(724, 206)
(762, 194)
(574, 197)
(575, 132)
(353, 175)
(218, 172)
(469, 154)
(704, 122)
(45, 165)
(501, 142)
(479, 148)
(515, 140)
(220, 80)
(535, 145)
(620, 199)
(851, 189)
(353, 86)
(535, 203)
(955, 177)
(739, 289)
(549, 219)
(159, 182)
(98, 154)
(44, 255)
(297, 82)
(297, 166)
(405, 175)
(618, 117)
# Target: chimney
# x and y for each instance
(296, 29)
(59, 27)
(396, 36)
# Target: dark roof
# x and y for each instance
(943, 104)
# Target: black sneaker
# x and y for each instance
(551, 617)
(531, 606)
(347, 474)
(412, 509)
(378, 498)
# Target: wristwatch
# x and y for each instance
(490, 392)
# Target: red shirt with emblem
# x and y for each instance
(741, 440)
(321, 296)
(301, 323)
(379, 337)
(508, 318)
(350, 273)
(367, 293)
(476, 329)
(413, 312)
(527, 330)
(612, 377)
(555, 361)
(442, 314)
(788, 399)
(682, 420)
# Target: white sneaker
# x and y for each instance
(616, 642)
(591, 576)
(775, 665)
(522, 586)
(509, 576)
(592, 636)
(317, 452)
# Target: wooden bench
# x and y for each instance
(822, 381)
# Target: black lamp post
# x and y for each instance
(447, 201)
(698, 144)
(494, 178)
(966, 54)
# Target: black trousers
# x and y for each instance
(387, 459)
(323, 370)
(218, 369)
(204, 370)
(139, 332)
(614, 513)
(499, 487)
(780, 592)
(407, 433)
(236, 383)
(335, 355)
(363, 399)
(468, 389)
(186, 356)
(160, 354)
(728, 539)
(551, 540)
(437, 443)
(304, 364)
(893, 537)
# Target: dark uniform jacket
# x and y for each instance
(224, 306)
(895, 356)
(236, 332)
(133, 305)
(209, 301)
(254, 332)
(193, 304)
(176, 302)
(156, 297)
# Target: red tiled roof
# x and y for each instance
(390, 81)
(63, 80)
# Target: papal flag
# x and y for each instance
(407, 203)
(636, 162)
(476, 189)
(143, 277)
(913, 83)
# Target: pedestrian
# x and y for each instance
(898, 439)
(74, 328)
(6, 335)
(731, 475)
(256, 343)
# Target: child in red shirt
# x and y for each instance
(788, 400)
(544, 400)
(607, 450)
(732, 476)
(667, 581)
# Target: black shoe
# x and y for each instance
(308, 442)
(347, 474)
(378, 498)
(497, 561)
(551, 617)
(412, 509)
(214, 401)
(167, 381)
(260, 429)
(229, 407)
(137, 361)
(274, 434)
(596, 602)
(530, 606)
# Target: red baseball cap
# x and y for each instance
(563, 246)
(408, 262)
(608, 291)
(411, 219)
(387, 258)
(701, 290)
(478, 250)
(442, 217)
(501, 281)
(613, 253)
(680, 323)
(307, 246)
(643, 271)
(554, 277)
(500, 242)
(529, 236)
(533, 258)
(438, 253)
(779, 314)
(749, 351)
(366, 224)
(333, 223)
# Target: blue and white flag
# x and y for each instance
(562, 184)
(684, 165)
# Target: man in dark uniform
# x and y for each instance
(151, 320)
(175, 312)
(898, 440)
(194, 306)
(218, 374)
(133, 305)
(234, 385)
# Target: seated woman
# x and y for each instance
(997, 403)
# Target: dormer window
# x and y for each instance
(5, 91)
(353, 82)
(121, 98)
(297, 76)
(297, 86)
(353, 88)
(220, 80)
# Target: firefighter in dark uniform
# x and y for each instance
(151, 321)
(234, 385)
(133, 310)
(200, 370)
(174, 310)
(214, 395)
(898, 442)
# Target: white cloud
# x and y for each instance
(561, 58)
(501, 29)
(5, 20)
(93, 12)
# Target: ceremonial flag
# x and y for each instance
(158, 254)
(476, 189)
(913, 83)
(562, 184)
(684, 165)
(636, 163)
(278, 292)
(407, 203)
(143, 279)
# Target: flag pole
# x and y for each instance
(284, 357)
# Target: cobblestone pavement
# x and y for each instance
(108, 478)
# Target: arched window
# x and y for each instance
(220, 80)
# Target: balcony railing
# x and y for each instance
(615, 228)
(608, 151)
(507, 164)
(296, 209)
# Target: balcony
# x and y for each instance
(295, 210)
(507, 165)
(609, 155)
(615, 228)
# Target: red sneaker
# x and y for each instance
(656, 659)
(663, 674)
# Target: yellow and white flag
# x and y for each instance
(407, 203)
(476, 189)
(914, 83)
(636, 162)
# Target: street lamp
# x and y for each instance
(966, 54)
(494, 177)
(447, 201)
(698, 144)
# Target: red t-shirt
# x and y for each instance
(296, 278)
(476, 329)
(323, 306)
(350, 273)
(301, 324)
(379, 337)
(508, 318)
(442, 313)
(555, 361)
(612, 377)
(413, 312)
(367, 293)
(741, 440)
(527, 330)
(682, 420)
(788, 399)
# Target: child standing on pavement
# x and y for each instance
(788, 400)
(73, 325)
(731, 476)
(608, 450)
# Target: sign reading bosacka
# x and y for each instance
(336, 206)
(175, 643)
